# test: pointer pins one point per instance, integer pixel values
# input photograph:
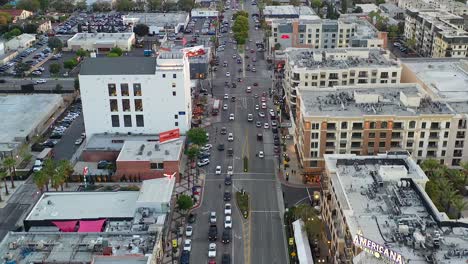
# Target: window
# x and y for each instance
(176, 116)
(313, 144)
(164, 75)
(157, 166)
(384, 124)
(126, 105)
(127, 120)
(115, 121)
(394, 74)
(344, 125)
(421, 144)
(420, 153)
(356, 135)
(112, 90)
(370, 144)
(113, 105)
(411, 134)
(447, 125)
(314, 154)
(138, 105)
(314, 135)
(174, 75)
(136, 89)
(372, 125)
(383, 135)
(174, 93)
(409, 144)
(422, 135)
(124, 89)
(313, 163)
(176, 124)
(384, 75)
(412, 124)
(372, 135)
(139, 121)
(382, 144)
(173, 85)
(423, 124)
(315, 125)
(344, 135)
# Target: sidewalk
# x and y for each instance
(177, 220)
(293, 175)
(11, 191)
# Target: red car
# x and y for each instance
(212, 261)
(252, 51)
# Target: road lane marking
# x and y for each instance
(257, 211)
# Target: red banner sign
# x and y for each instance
(168, 135)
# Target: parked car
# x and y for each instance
(191, 218)
(212, 250)
(79, 141)
(228, 222)
(226, 237)
(40, 81)
(103, 164)
(213, 233)
(203, 162)
(188, 244)
(212, 217)
(227, 196)
(227, 209)
(189, 231)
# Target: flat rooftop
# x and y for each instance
(345, 58)
(102, 37)
(22, 114)
(125, 65)
(84, 205)
(151, 151)
(440, 19)
(159, 19)
(448, 78)
(304, 12)
(389, 99)
(392, 212)
(59, 247)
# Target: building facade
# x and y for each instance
(436, 33)
(378, 119)
(17, 14)
(322, 68)
(454, 7)
(342, 33)
(136, 95)
(368, 201)
(20, 42)
(101, 42)
(172, 22)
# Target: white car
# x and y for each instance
(227, 209)
(228, 74)
(79, 141)
(41, 81)
(189, 231)
(230, 137)
(188, 244)
(264, 106)
(228, 222)
(212, 217)
(212, 250)
(230, 170)
(261, 154)
(266, 126)
(272, 112)
(207, 147)
(231, 117)
(218, 170)
(250, 117)
(257, 107)
(261, 114)
(203, 162)
(225, 107)
(226, 96)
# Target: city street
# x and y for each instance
(260, 238)
(12, 84)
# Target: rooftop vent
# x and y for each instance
(166, 152)
(156, 147)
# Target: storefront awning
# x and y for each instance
(91, 225)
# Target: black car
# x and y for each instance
(228, 180)
(227, 196)
(185, 257)
(230, 152)
(49, 143)
(276, 142)
(223, 131)
(221, 147)
(226, 259)
(226, 238)
(56, 135)
(213, 233)
(191, 218)
(103, 164)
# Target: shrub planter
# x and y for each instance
(242, 199)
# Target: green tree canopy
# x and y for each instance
(30, 5)
(70, 64)
(192, 152)
(101, 6)
(124, 5)
(117, 51)
(21, 67)
(358, 10)
(141, 30)
(54, 68)
(186, 5)
(197, 136)
(184, 202)
(55, 43)
(81, 5)
(240, 13)
(154, 5)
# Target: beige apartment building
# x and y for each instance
(437, 33)
(451, 6)
(378, 118)
(347, 31)
(322, 68)
(377, 211)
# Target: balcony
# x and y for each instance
(330, 145)
(296, 77)
(432, 145)
(331, 127)
(434, 135)
(331, 136)
(459, 145)
(437, 127)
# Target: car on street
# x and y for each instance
(191, 218)
(228, 222)
(249, 117)
(233, 99)
(226, 259)
(212, 217)
(203, 162)
(189, 231)
(207, 147)
(257, 107)
(249, 89)
(261, 154)
(230, 137)
(261, 114)
(274, 123)
(226, 96)
(228, 180)
(266, 126)
(223, 131)
(228, 74)
(212, 250)
(229, 170)
(40, 81)
(231, 117)
(253, 69)
(221, 147)
(188, 244)
(227, 196)
(225, 107)
(212, 232)
(185, 257)
(255, 84)
(226, 237)
(264, 106)
(227, 209)
(103, 164)
(79, 141)
(258, 124)
(218, 170)
(263, 98)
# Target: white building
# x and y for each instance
(20, 42)
(136, 95)
(101, 42)
(159, 22)
(204, 12)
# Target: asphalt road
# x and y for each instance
(66, 148)
(260, 239)
(15, 84)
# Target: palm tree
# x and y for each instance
(10, 163)
(49, 168)
(460, 205)
(3, 175)
(41, 179)
(66, 166)
(464, 166)
(430, 166)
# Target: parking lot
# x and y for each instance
(199, 31)
(96, 22)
